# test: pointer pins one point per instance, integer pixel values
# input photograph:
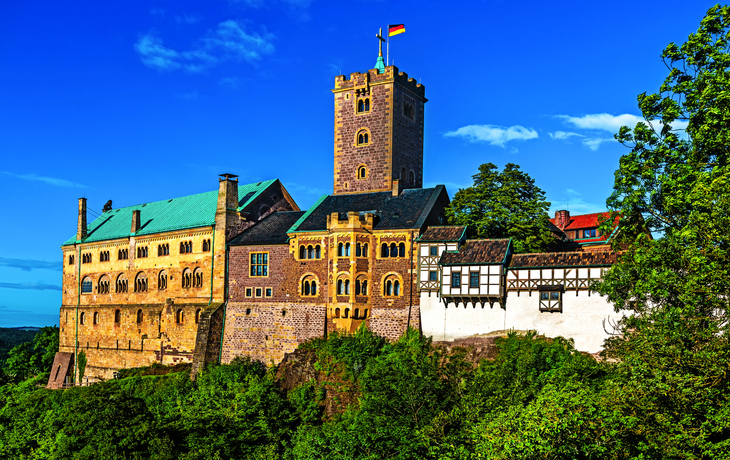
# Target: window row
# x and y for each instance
(456, 279)
(259, 292)
(391, 286)
(346, 313)
(310, 252)
(186, 247)
(343, 250)
(190, 279)
(96, 316)
(411, 177)
(393, 250)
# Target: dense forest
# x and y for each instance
(659, 390)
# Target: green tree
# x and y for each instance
(35, 357)
(81, 356)
(504, 204)
(673, 387)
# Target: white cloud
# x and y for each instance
(594, 142)
(602, 121)
(562, 135)
(48, 180)
(494, 135)
(229, 41)
(231, 82)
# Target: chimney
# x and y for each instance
(397, 187)
(227, 193)
(136, 220)
(562, 219)
(81, 231)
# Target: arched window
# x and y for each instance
(310, 252)
(87, 286)
(306, 288)
(197, 315)
(347, 313)
(363, 137)
(365, 250)
(393, 250)
(358, 250)
(140, 316)
(117, 316)
(96, 317)
(347, 249)
(206, 245)
(180, 316)
(340, 287)
(347, 287)
(361, 285)
(314, 287)
(384, 250)
(104, 285)
(198, 278)
(402, 250)
(163, 250)
(403, 174)
(140, 282)
(187, 278)
(82, 318)
(362, 172)
(186, 247)
(365, 314)
(309, 286)
(122, 283)
(302, 252)
(162, 280)
(358, 287)
(142, 252)
(388, 287)
(339, 250)
(412, 178)
(361, 105)
(367, 105)
(356, 314)
(337, 312)
(392, 286)
(396, 287)
(318, 252)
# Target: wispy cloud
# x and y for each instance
(229, 41)
(573, 201)
(562, 135)
(594, 142)
(602, 121)
(230, 82)
(492, 134)
(29, 264)
(187, 19)
(37, 286)
(48, 180)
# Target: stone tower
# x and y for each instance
(378, 131)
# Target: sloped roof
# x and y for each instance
(477, 252)
(442, 233)
(583, 220)
(189, 211)
(271, 230)
(407, 210)
(564, 259)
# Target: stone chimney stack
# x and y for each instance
(226, 212)
(81, 231)
(562, 219)
(136, 220)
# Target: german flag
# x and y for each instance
(396, 29)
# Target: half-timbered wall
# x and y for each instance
(428, 263)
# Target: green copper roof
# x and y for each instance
(167, 215)
(380, 64)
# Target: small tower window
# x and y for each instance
(140, 316)
(363, 137)
(362, 172)
(412, 178)
(363, 105)
(117, 316)
(180, 316)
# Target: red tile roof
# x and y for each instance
(477, 252)
(442, 234)
(583, 220)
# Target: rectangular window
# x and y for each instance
(249, 292)
(551, 301)
(258, 292)
(433, 275)
(589, 233)
(474, 279)
(434, 250)
(269, 292)
(259, 264)
(456, 280)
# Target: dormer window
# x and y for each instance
(589, 233)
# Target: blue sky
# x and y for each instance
(140, 101)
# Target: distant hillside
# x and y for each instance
(12, 336)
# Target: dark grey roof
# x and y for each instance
(270, 230)
(407, 210)
(478, 252)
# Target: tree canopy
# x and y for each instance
(503, 204)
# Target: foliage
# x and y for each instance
(81, 356)
(10, 337)
(504, 204)
(34, 357)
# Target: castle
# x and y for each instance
(243, 271)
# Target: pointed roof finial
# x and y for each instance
(380, 63)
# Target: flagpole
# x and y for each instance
(387, 49)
